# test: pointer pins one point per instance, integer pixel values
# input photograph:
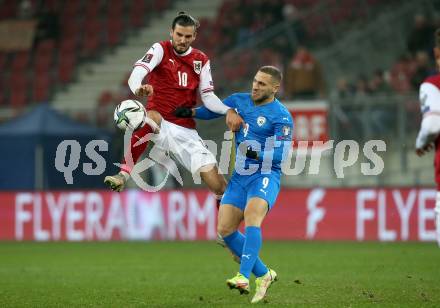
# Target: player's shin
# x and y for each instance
(138, 144)
(251, 249)
(235, 242)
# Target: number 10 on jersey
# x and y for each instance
(183, 78)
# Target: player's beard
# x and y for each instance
(178, 51)
(261, 99)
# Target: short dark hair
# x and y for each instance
(183, 19)
(437, 38)
(272, 71)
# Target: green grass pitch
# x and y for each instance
(184, 274)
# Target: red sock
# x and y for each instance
(136, 151)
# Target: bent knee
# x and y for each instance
(219, 190)
(155, 116)
(253, 219)
(220, 187)
(224, 230)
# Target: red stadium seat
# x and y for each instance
(53, 5)
(93, 25)
(71, 10)
(3, 61)
(2, 98)
(18, 90)
(72, 29)
(91, 39)
(41, 88)
(114, 31)
(67, 45)
(136, 15)
(20, 61)
(18, 100)
(65, 74)
(115, 8)
(43, 63)
(46, 47)
(160, 5)
(8, 9)
(91, 43)
(92, 9)
(113, 37)
(105, 98)
(125, 80)
(17, 81)
(66, 68)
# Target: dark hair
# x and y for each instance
(183, 19)
(437, 38)
(272, 71)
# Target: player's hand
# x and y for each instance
(422, 151)
(233, 120)
(144, 90)
(250, 153)
(184, 112)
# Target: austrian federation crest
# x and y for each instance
(197, 67)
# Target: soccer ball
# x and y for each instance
(129, 114)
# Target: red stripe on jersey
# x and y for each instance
(144, 66)
(208, 90)
(435, 80)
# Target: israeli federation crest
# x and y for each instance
(197, 67)
(261, 121)
(286, 130)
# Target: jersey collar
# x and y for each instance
(265, 104)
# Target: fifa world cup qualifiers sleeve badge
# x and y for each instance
(147, 58)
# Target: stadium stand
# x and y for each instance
(87, 29)
(86, 65)
(230, 30)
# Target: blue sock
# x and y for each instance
(251, 249)
(235, 242)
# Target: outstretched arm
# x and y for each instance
(213, 103)
(202, 112)
(206, 90)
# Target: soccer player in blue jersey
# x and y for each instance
(262, 143)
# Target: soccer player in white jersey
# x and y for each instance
(429, 134)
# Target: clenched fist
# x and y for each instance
(233, 120)
(144, 90)
(422, 151)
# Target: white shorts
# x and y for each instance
(185, 144)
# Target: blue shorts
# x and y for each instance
(241, 188)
